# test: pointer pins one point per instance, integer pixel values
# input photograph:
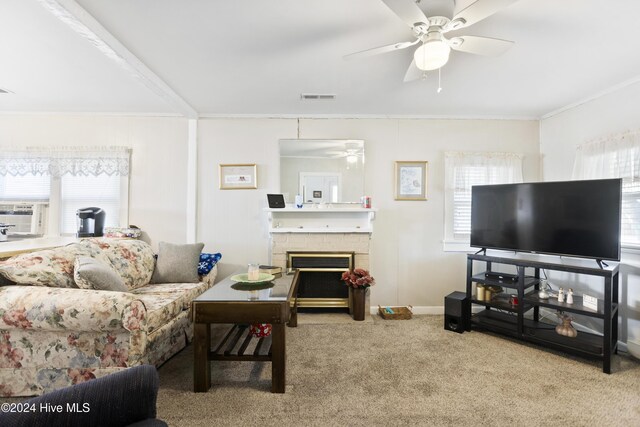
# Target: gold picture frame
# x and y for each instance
(242, 176)
(411, 180)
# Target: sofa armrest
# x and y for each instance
(64, 309)
(210, 277)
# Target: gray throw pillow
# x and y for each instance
(177, 263)
(89, 273)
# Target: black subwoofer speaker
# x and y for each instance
(456, 312)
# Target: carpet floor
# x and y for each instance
(404, 372)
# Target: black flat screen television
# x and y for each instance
(572, 218)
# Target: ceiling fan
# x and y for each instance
(434, 51)
(352, 152)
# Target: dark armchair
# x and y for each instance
(125, 398)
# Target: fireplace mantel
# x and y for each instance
(321, 220)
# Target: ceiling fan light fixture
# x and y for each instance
(352, 158)
(432, 55)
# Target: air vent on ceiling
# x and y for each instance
(317, 96)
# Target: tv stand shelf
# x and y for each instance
(528, 281)
(576, 307)
(501, 304)
(522, 320)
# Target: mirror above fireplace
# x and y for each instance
(322, 170)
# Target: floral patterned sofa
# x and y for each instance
(54, 334)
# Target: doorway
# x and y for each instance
(320, 187)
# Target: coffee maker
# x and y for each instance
(4, 228)
(90, 222)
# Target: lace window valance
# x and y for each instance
(59, 161)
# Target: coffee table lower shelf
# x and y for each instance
(235, 343)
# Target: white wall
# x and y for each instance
(559, 136)
(157, 186)
(407, 257)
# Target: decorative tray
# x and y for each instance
(244, 278)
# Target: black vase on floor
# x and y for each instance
(358, 302)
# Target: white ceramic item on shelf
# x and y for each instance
(298, 201)
(570, 296)
(561, 295)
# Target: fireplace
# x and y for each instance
(320, 283)
(326, 242)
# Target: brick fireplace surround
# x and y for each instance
(281, 243)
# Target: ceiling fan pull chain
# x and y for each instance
(439, 79)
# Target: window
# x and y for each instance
(68, 178)
(81, 192)
(616, 157)
(24, 188)
(630, 233)
(462, 171)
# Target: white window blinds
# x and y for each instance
(24, 188)
(616, 156)
(88, 191)
(464, 170)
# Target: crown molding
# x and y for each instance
(89, 114)
(364, 116)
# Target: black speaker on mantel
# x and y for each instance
(456, 312)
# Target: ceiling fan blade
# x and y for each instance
(477, 11)
(414, 73)
(480, 45)
(381, 49)
(407, 10)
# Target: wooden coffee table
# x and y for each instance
(234, 303)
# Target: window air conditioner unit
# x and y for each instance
(27, 217)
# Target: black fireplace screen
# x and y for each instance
(320, 274)
(321, 284)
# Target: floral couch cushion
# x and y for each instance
(54, 309)
(185, 292)
(132, 259)
(160, 308)
(49, 267)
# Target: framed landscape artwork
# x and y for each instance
(411, 180)
(238, 177)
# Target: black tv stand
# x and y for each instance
(601, 263)
(483, 250)
(521, 319)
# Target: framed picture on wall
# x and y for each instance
(411, 180)
(238, 177)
